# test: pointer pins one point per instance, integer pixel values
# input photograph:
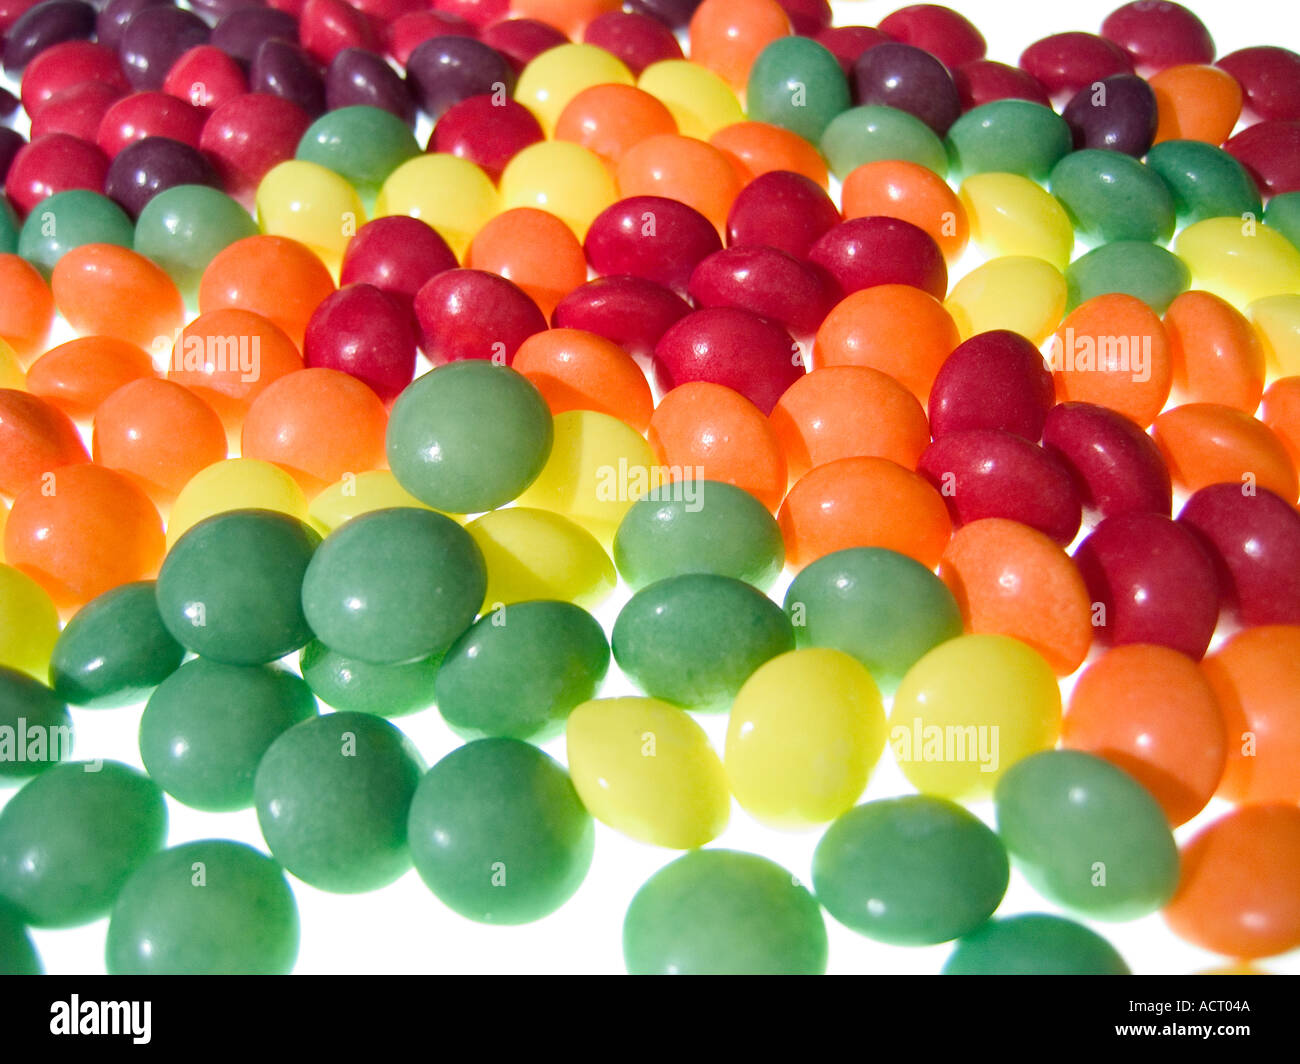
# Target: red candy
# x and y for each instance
(67, 64)
(403, 35)
(521, 40)
(865, 252)
(248, 135)
(361, 331)
(638, 40)
(782, 210)
(629, 311)
(1066, 62)
(206, 77)
(478, 13)
(995, 380)
(942, 32)
(1159, 34)
(76, 111)
(768, 282)
(1270, 151)
(397, 255)
(326, 27)
(487, 133)
(847, 43)
(1118, 467)
(985, 80)
(54, 163)
(808, 17)
(149, 114)
(1269, 78)
(474, 314)
(653, 237)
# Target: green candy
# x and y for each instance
(394, 585)
(332, 797)
(115, 650)
(68, 220)
(1009, 137)
(1087, 835)
(1111, 196)
(361, 144)
(694, 640)
(72, 837)
(35, 726)
(498, 832)
(910, 871)
(520, 669)
(206, 727)
(1034, 944)
(230, 588)
(722, 912)
(18, 954)
(698, 526)
(183, 228)
(469, 436)
(1146, 271)
(357, 686)
(8, 229)
(205, 908)
(882, 607)
(797, 84)
(1283, 214)
(1206, 181)
(869, 134)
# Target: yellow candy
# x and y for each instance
(360, 493)
(804, 734)
(565, 179)
(536, 554)
(312, 205)
(234, 484)
(550, 81)
(1011, 215)
(969, 710)
(701, 102)
(29, 624)
(11, 370)
(597, 469)
(1017, 292)
(646, 769)
(451, 194)
(1277, 321)
(1239, 260)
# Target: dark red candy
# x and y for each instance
(385, 11)
(653, 237)
(1255, 543)
(638, 40)
(1270, 80)
(326, 27)
(942, 32)
(479, 130)
(521, 40)
(396, 254)
(143, 169)
(1159, 34)
(910, 79)
(114, 16)
(847, 43)
(76, 110)
(206, 77)
(990, 473)
(54, 163)
(791, 292)
(985, 80)
(674, 14)
(11, 143)
(629, 311)
(477, 13)
(443, 71)
(807, 17)
(69, 64)
(247, 136)
(1117, 114)
(293, 7)
(282, 69)
(215, 10)
(865, 252)
(155, 39)
(360, 78)
(781, 209)
(11, 11)
(1150, 581)
(1117, 466)
(149, 114)
(241, 32)
(731, 347)
(474, 314)
(43, 26)
(362, 331)
(403, 34)
(995, 380)
(1066, 62)
(1270, 151)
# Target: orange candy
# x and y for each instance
(79, 375)
(1239, 892)
(1215, 352)
(106, 290)
(318, 425)
(577, 370)
(727, 35)
(84, 532)
(896, 188)
(682, 168)
(26, 307)
(863, 502)
(706, 431)
(1206, 443)
(228, 356)
(1113, 351)
(894, 328)
(270, 275)
(1010, 579)
(35, 437)
(535, 250)
(761, 148)
(159, 434)
(1149, 710)
(1195, 102)
(610, 119)
(1281, 413)
(820, 419)
(1256, 678)
(570, 16)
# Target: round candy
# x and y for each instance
(1195, 102)
(183, 228)
(579, 370)
(361, 144)
(628, 311)
(70, 219)
(1217, 357)
(1117, 466)
(995, 380)
(727, 36)
(311, 204)
(1267, 75)
(365, 333)
(535, 250)
(357, 77)
(442, 71)
(865, 252)
(1134, 267)
(909, 79)
(782, 210)
(37, 727)
(908, 191)
(1066, 62)
(610, 119)
(1034, 944)
(474, 314)
(700, 102)
(234, 484)
(357, 686)
(106, 290)
(982, 81)
(539, 554)
(37, 437)
(1117, 113)
(555, 77)
(681, 168)
(1238, 260)
(396, 254)
(1158, 35)
(651, 237)
(247, 135)
(795, 83)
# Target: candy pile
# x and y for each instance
(352, 424)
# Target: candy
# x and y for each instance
(538, 554)
(682, 168)
(610, 119)
(638, 40)
(782, 210)
(1117, 113)
(535, 250)
(651, 237)
(282, 69)
(1208, 443)
(364, 333)
(205, 77)
(1277, 322)
(994, 380)
(761, 148)
(898, 189)
(983, 81)
(396, 254)
(70, 219)
(1206, 181)
(555, 77)
(183, 228)
(1034, 944)
(577, 370)
(1234, 259)
(29, 624)
(465, 202)
(442, 71)
(1216, 355)
(1267, 75)
(1066, 62)
(1159, 35)
(1118, 466)
(310, 204)
(909, 79)
(25, 317)
(795, 83)
(700, 102)
(772, 284)
(1011, 215)
(727, 36)
(357, 77)
(335, 141)
(54, 162)
(873, 133)
(941, 31)
(37, 438)
(473, 314)
(1008, 136)
(630, 312)
(43, 25)
(37, 727)
(1195, 102)
(864, 252)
